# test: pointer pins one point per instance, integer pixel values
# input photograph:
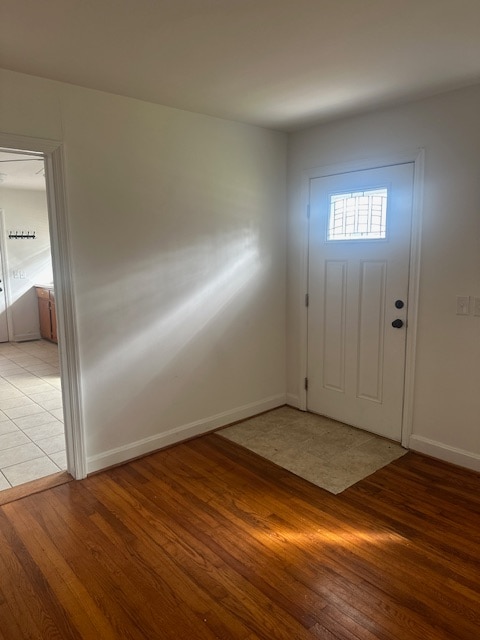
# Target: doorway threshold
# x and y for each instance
(34, 486)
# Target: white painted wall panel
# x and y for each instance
(26, 209)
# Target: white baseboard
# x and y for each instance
(444, 452)
(293, 400)
(26, 337)
(183, 432)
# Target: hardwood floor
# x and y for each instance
(207, 540)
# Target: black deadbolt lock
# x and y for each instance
(399, 304)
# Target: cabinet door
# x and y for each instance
(44, 317)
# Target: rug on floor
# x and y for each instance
(327, 453)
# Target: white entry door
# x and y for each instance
(359, 255)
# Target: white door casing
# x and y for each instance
(355, 358)
(4, 334)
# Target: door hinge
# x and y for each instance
(305, 384)
(308, 211)
(307, 299)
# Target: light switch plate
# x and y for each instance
(463, 305)
(476, 306)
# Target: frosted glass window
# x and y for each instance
(360, 215)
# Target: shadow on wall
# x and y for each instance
(176, 312)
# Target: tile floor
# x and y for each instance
(329, 454)
(32, 439)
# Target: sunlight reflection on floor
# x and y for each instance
(325, 536)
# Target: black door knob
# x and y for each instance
(399, 304)
(397, 324)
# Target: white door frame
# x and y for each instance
(5, 271)
(417, 157)
(64, 299)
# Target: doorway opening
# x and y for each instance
(32, 435)
(40, 408)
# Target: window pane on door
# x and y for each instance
(361, 215)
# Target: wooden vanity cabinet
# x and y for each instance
(47, 313)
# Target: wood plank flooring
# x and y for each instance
(207, 540)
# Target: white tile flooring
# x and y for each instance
(32, 438)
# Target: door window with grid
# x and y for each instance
(360, 215)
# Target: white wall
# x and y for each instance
(29, 262)
(446, 420)
(178, 245)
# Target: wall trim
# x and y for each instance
(293, 400)
(413, 296)
(25, 337)
(445, 452)
(52, 152)
(6, 277)
(417, 157)
(178, 434)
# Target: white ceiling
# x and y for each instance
(277, 63)
(21, 171)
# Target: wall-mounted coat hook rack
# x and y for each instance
(21, 235)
